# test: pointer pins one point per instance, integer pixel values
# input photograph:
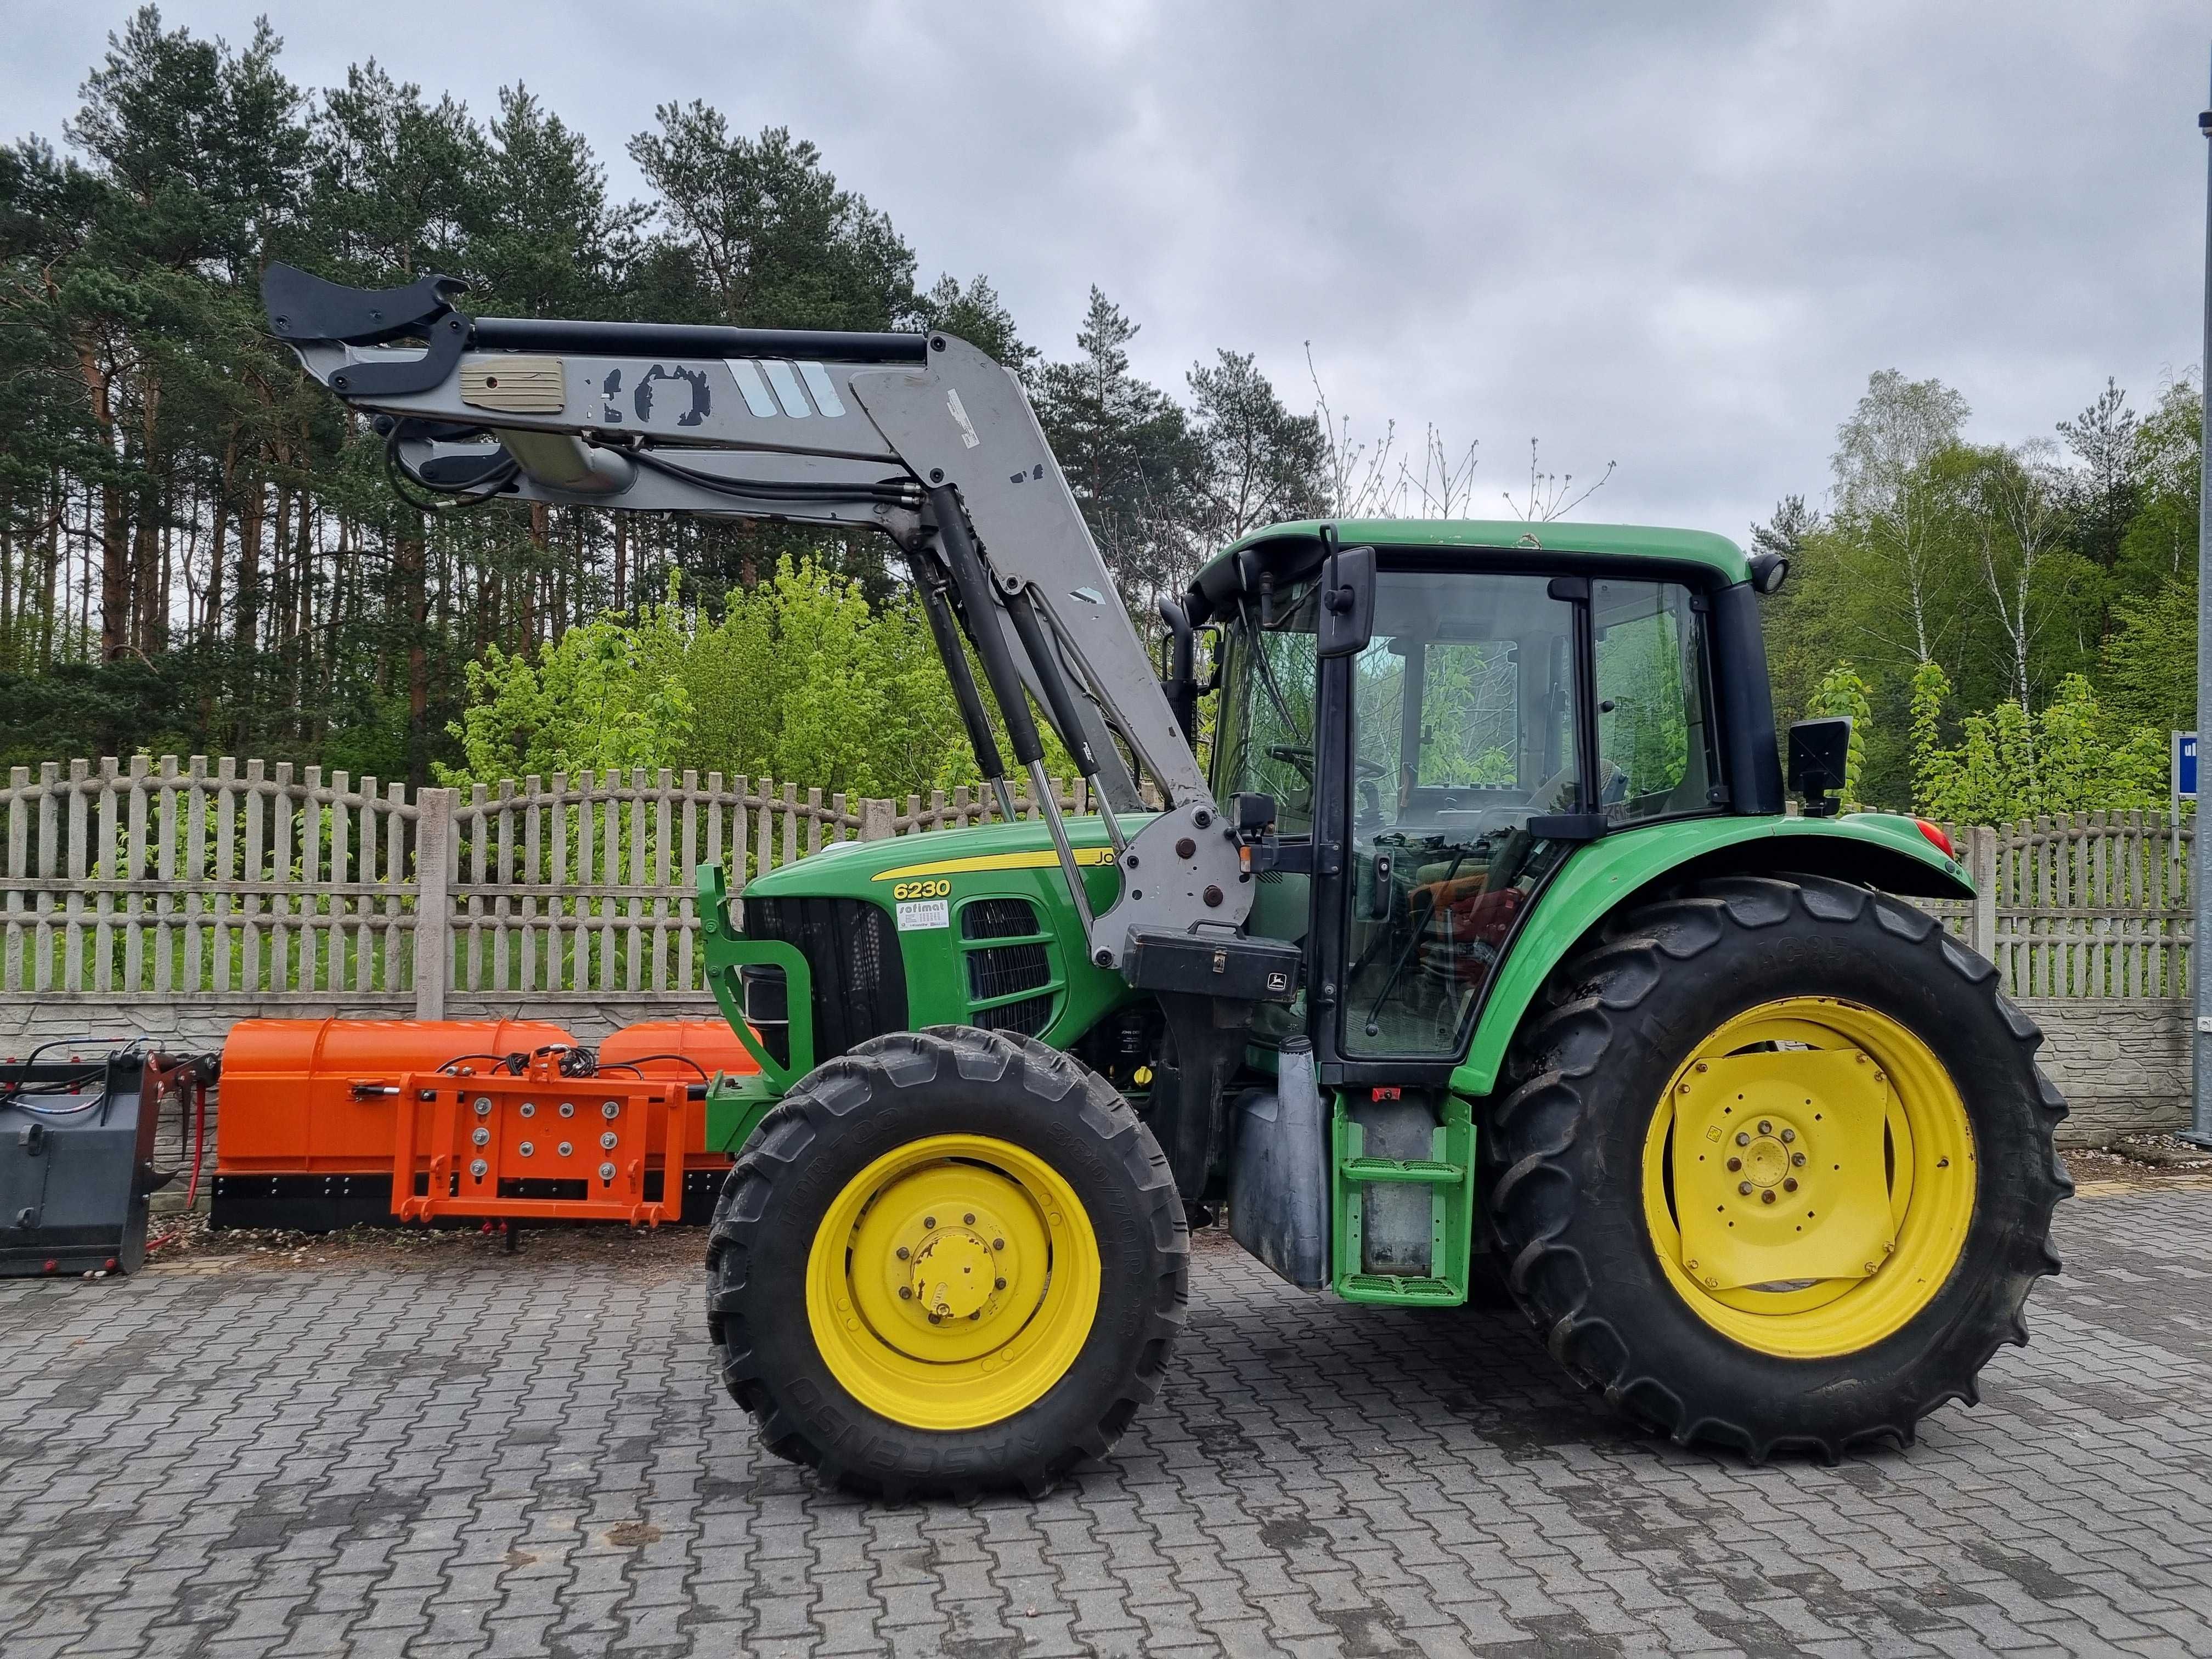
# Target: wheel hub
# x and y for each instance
(1766, 1162)
(1780, 1173)
(952, 1282)
(953, 1273)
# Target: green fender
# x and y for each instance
(1879, 847)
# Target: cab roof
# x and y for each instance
(1611, 541)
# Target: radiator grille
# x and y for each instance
(1027, 1017)
(1002, 971)
(999, 918)
(852, 951)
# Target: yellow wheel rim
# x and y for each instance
(952, 1282)
(1809, 1177)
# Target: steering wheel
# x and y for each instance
(1302, 757)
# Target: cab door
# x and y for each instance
(1454, 766)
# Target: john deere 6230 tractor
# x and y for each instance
(1484, 944)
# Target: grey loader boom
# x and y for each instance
(920, 436)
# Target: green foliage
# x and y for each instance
(1469, 713)
(2008, 765)
(606, 694)
(1129, 455)
(2010, 569)
(1842, 690)
(802, 678)
(973, 313)
(756, 232)
(2148, 665)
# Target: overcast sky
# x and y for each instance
(1677, 237)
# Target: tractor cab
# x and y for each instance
(1508, 703)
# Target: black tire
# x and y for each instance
(885, 1094)
(1587, 1070)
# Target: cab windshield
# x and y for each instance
(1465, 707)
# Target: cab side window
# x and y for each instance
(1656, 745)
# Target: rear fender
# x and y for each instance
(1879, 849)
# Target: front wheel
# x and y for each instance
(1779, 1171)
(950, 1260)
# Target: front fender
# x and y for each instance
(1879, 848)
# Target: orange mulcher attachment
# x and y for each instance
(337, 1122)
(543, 1145)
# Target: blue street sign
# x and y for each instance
(2185, 766)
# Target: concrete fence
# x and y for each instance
(172, 897)
(169, 898)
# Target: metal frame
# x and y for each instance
(923, 438)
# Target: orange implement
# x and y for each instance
(541, 1146)
(329, 1123)
(693, 1049)
(288, 1103)
(661, 1047)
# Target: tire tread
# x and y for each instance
(1564, 1043)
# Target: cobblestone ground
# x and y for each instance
(494, 1455)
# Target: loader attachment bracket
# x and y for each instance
(303, 309)
(303, 306)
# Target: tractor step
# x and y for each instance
(1403, 1292)
(1394, 1169)
(1422, 1246)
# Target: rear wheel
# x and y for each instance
(950, 1260)
(1778, 1168)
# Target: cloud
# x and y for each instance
(1676, 237)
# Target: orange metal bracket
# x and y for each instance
(541, 1146)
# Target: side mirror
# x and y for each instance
(1346, 623)
(1253, 815)
(1179, 676)
(1820, 750)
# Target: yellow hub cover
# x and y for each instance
(1809, 1177)
(952, 1282)
(1778, 1167)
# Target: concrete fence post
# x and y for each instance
(1982, 871)
(433, 910)
(876, 818)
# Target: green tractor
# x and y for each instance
(1482, 951)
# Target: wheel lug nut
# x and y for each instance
(1766, 1198)
(906, 1292)
(997, 1284)
(1766, 1127)
(1735, 1164)
(936, 1319)
(1797, 1158)
(1789, 1135)
(928, 1221)
(1742, 1138)
(1744, 1186)
(903, 1253)
(968, 1220)
(977, 1314)
(997, 1243)
(1790, 1184)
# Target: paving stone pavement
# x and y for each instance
(491, 1455)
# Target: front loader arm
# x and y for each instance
(922, 437)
